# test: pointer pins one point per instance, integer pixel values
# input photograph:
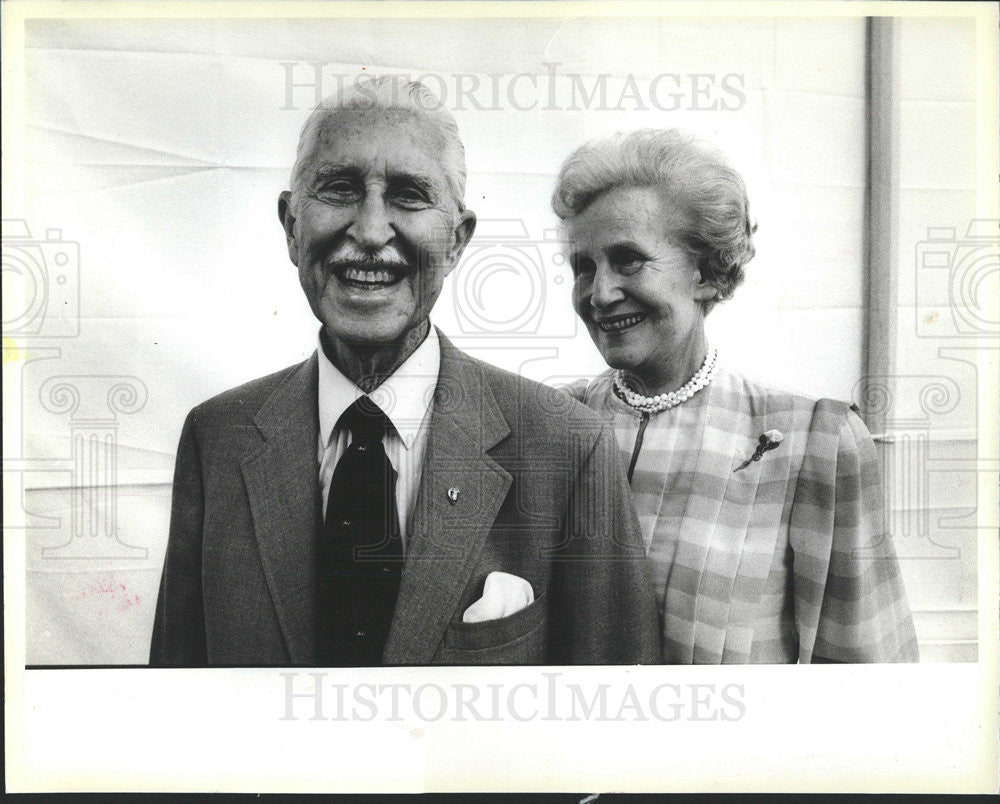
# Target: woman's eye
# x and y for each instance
(628, 262)
(581, 266)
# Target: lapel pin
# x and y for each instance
(768, 441)
(453, 493)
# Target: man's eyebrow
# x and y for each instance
(337, 170)
(424, 182)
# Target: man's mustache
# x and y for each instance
(348, 257)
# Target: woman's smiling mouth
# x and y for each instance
(619, 323)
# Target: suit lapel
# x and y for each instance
(283, 487)
(447, 535)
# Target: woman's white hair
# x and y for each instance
(707, 191)
(389, 92)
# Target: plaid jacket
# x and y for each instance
(785, 560)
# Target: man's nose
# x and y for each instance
(606, 289)
(371, 227)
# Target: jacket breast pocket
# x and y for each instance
(519, 638)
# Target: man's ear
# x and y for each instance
(464, 228)
(288, 224)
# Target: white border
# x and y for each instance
(921, 728)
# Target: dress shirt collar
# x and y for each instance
(405, 397)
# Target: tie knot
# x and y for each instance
(365, 420)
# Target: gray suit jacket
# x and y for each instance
(543, 496)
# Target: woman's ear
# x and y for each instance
(288, 224)
(703, 290)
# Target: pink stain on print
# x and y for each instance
(112, 592)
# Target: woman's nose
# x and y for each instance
(606, 289)
(371, 228)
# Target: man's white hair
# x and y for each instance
(389, 92)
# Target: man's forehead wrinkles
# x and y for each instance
(364, 123)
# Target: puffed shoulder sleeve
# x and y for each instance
(850, 604)
(576, 389)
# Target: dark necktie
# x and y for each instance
(360, 555)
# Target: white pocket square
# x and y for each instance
(503, 595)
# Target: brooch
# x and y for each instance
(768, 441)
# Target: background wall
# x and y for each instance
(157, 149)
(940, 261)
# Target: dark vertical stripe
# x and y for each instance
(638, 445)
(881, 218)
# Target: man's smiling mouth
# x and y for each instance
(620, 322)
(370, 278)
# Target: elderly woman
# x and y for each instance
(762, 510)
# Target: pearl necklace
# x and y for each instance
(671, 399)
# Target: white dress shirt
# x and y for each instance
(406, 398)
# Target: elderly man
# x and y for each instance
(392, 500)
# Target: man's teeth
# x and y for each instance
(372, 277)
(620, 323)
